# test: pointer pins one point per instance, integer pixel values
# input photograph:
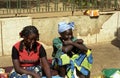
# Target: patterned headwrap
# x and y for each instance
(63, 26)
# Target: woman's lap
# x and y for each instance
(61, 61)
(36, 69)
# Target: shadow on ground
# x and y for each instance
(116, 41)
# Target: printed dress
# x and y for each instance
(79, 60)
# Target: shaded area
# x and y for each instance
(116, 41)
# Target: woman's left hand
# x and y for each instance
(35, 75)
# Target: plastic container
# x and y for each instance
(109, 72)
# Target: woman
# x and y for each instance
(28, 55)
(70, 54)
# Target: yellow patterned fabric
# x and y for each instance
(65, 59)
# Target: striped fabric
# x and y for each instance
(82, 62)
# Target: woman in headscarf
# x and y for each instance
(70, 54)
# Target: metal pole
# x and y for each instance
(115, 4)
(56, 5)
(38, 6)
(27, 5)
(17, 5)
(20, 5)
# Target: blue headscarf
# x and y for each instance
(63, 26)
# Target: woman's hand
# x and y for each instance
(46, 67)
(79, 41)
(35, 75)
(20, 70)
(68, 42)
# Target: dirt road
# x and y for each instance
(106, 55)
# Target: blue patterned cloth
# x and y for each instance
(53, 77)
(36, 69)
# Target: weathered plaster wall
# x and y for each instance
(91, 30)
(117, 34)
(85, 27)
(0, 39)
(10, 31)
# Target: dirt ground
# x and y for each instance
(106, 55)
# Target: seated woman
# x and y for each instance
(70, 54)
(28, 55)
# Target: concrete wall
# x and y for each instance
(85, 27)
(10, 31)
(108, 30)
(118, 27)
(0, 39)
(91, 30)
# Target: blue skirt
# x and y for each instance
(36, 69)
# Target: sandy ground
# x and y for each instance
(106, 55)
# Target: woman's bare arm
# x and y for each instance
(46, 67)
